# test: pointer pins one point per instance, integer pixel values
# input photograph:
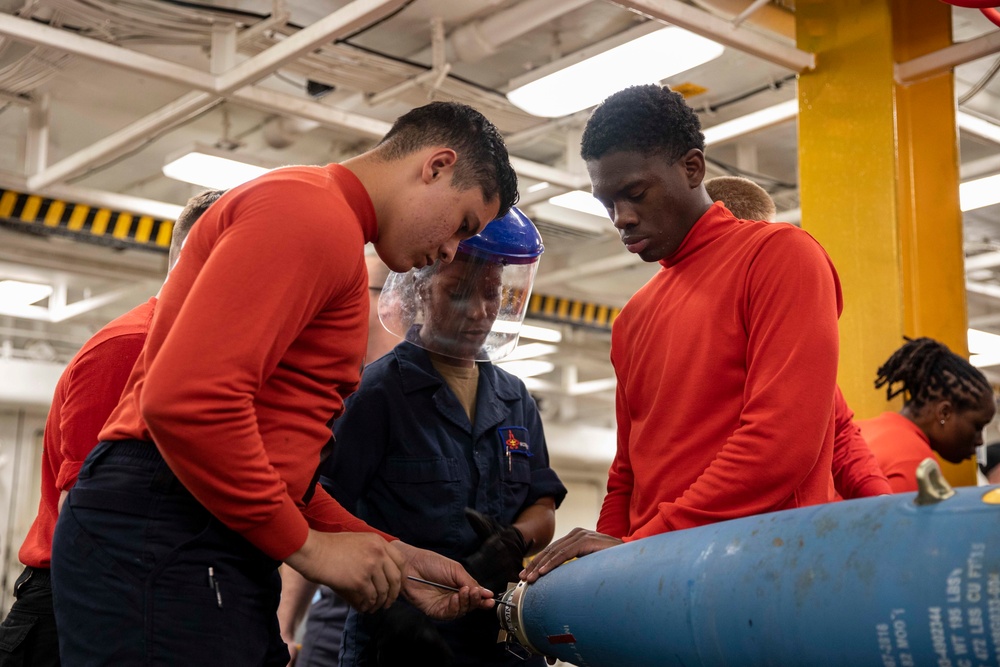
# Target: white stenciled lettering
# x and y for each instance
(959, 645)
(954, 618)
(974, 592)
(885, 645)
(993, 585)
(976, 623)
(980, 649)
(974, 569)
(954, 586)
(899, 629)
(938, 640)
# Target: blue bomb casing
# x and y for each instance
(871, 582)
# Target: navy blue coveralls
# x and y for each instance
(408, 462)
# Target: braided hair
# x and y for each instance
(927, 370)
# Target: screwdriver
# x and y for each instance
(450, 588)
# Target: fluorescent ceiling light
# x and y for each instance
(979, 193)
(212, 167)
(648, 59)
(578, 200)
(984, 348)
(15, 293)
(540, 333)
(752, 122)
(978, 126)
(527, 368)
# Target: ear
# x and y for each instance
(438, 163)
(943, 410)
(694, 167)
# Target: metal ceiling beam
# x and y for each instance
(724, 32)
(38, 34)
(947, 58)
(353, 16)
(114, 145)
(212, 88)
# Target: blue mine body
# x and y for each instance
(875, 581)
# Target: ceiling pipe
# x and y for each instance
(703, 23)
(767, 16)
(479, 39)
(178, 111)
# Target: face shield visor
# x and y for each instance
(472, 308)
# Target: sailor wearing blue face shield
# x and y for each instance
(445, 450)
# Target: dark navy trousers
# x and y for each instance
(144, 575)
(28, 635)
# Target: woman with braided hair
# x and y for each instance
(947, 404)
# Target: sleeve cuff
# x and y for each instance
(654, 526)
(283, 534)
(545, 483)
(68, 472)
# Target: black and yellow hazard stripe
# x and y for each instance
(570, 311)
(119, 229)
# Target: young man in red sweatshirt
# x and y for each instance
(205, 477)
(86, 393)
(726, 360)
(856, 473)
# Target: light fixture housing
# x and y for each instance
(751, 122)
(984, 348)
(213, 167)
(978, 126)
(18, 294)
(585, 78)
(578, 200)
(979, 193)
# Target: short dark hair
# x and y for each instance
(927, 370)
(647, 119)
(482, 154)
(193, 210)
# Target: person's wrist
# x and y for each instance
(299, 559)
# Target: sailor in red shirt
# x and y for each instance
(205, 479)
(948, 403)
(855, 471)
(726, 359)
(86, 393)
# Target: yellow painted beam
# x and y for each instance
(930, 219)
(847, 179)
(878, 166)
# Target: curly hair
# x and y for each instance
(647, 119)
(482, 154)
(927, 370)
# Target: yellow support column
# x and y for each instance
(878, 178)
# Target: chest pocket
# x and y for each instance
(422, 500)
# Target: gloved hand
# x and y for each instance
(500, 556)
(404, 636)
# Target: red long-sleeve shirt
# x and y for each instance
(856, 473)
(86, 393)
(726, 363)
(899, 446)
(258, 337)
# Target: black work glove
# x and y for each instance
(500, 555)
(404, 636)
